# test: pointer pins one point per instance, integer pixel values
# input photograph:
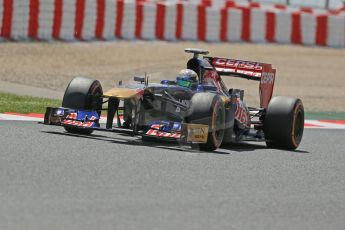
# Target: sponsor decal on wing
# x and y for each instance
(71, 120)
(157, 130)
(249, 68)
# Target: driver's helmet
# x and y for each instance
(186, 78)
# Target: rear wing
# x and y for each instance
(249, 70)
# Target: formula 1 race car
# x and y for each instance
(196, 109)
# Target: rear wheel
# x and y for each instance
(82, 93)
(208, 109)
(284, 123)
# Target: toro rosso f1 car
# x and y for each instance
(196, 109)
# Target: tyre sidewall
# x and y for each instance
(281, 122)
(77, 96)
(204, 110)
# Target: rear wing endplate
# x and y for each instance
(248, 70)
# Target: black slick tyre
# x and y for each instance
(208, 109)
(82, 93)
(284, 123)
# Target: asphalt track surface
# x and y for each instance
(53, 180)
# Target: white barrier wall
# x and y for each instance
(109, 19)
(336, 32)
(234, 25)
(213, 25)
(118, 19)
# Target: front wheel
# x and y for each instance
(82, 93)
(284, 123)
(208, 109)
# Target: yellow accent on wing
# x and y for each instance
(121, 93)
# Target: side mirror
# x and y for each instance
(139, 79)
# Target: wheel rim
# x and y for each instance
(298, 129)
(95, 91)
(218, 122)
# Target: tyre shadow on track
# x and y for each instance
(252, 146)
(175, 146)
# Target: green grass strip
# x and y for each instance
(25, 104)
(324, 116)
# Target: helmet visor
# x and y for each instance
(184, 83)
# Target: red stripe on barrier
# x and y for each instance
(296, 35)
(179, 20)
(321, 30)
(246, 18)
(119, 18)
(270, 26)
(139, 20)
(206, 2)
(223, 24)
(58, 11)
(230, 3)
(100, 19)
(201, 30)
(160, 21)
(33, 18)
(280, 6)
(254, 4)
(79, 18)
(6, 28)
(306, 10)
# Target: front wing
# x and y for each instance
(90, 120)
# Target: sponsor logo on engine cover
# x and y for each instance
(233, 63)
